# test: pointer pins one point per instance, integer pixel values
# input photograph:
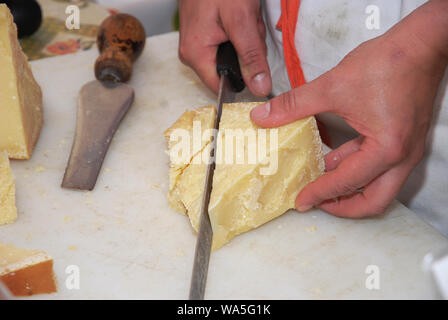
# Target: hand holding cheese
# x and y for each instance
(385, 89)
(250, 187)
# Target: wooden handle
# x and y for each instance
(121, 39)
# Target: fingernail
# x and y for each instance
(304, 207)
(261, 112)
(260, 84)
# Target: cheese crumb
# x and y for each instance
(39, 169)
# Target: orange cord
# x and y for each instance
(287, 24)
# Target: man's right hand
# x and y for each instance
(205, 24)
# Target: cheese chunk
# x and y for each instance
(26, 272)
(20, 95)
(185, 177)
(249, 188)
(8, 211)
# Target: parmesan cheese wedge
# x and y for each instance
(26, 272)
(20, 95)
(257, 177)
(8, 211)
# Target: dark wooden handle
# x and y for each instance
(121, 39)
(227, 64)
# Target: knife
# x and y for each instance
(4, 292)
(104, 102)
(231, 82)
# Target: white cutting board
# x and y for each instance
(128, 243)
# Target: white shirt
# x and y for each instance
(326, 31)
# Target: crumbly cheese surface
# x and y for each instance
(8, 211)
(245, 194)
(20, 95)
(184, 195)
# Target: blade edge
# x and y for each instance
(205, 234)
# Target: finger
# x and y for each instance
(307, 100)
(242, 27)
(261, 28)
(335, 157)
(201, 56)
(375, 197)
(355, 172)
(199, 36)
(204, 64)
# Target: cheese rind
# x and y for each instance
(8, 211)
(244, 196)
(20, 95)
(26, 272)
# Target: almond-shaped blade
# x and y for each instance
(101, 107)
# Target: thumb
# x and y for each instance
(307, 100)
(247, 35)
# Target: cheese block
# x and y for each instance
(184, 194)
(20, 95)
(26, 272)
(8, 211)
(259, 172)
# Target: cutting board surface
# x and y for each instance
(127, 242)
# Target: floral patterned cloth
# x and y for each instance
(53, 38)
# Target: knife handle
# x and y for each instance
(227, 64)
(121, 39)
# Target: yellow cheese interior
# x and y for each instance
(20, 95)
(185, 195)
(243, 195)
(8, 211)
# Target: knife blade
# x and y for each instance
(230, 83)
(4, 292)
(104, 102)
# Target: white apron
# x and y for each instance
(326, 31)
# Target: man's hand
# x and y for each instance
(204, 24)
(385, 89)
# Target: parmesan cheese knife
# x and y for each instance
(231, 82)
(104, 102)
